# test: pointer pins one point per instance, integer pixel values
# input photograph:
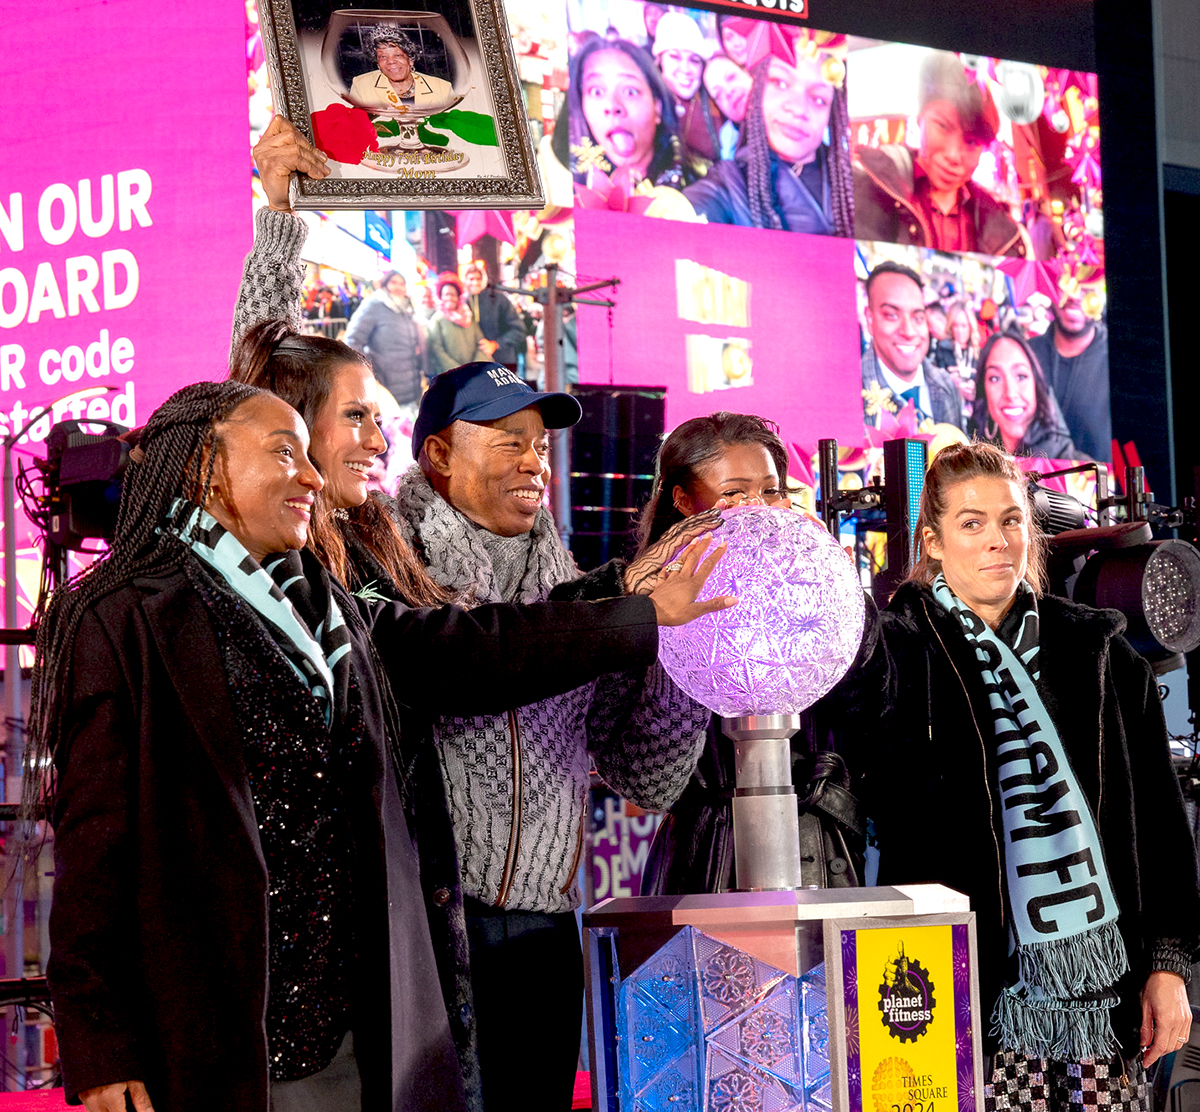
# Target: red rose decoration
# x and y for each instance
(344, 133)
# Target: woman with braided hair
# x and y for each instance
(792, 168)
(236, 918)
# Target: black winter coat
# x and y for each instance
(393, 341)
(693, 848)
(723, 195)
(499, 320)
(918, 731)
(159, 925)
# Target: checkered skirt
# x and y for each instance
(1021, 1084)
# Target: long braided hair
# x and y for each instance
(841, 172)
(764, 201)
(764, 211)
(301, 370)
(174, 461)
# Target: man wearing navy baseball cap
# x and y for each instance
(471, 508)
(480, 438)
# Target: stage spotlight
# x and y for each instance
(83, 481)
(1157, 587)
(1055, 511)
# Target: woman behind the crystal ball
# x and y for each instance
(1011, 746)
(729, 459)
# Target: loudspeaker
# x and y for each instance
(613, 449)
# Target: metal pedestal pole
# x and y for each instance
(766, 831)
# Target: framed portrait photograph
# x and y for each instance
(417, 103)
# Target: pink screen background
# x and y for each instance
(124, 85)
(803, 328)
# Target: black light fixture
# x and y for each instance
(83, 473)
(1055, 511)
(889, 507)
(1157, 587)
(1155, 584)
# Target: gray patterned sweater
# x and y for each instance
(518, 783)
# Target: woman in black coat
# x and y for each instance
(737, 459)
(992, 724)
(225, 750)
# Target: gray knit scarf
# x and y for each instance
(459, 556)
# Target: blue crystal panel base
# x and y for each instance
(705, 1027)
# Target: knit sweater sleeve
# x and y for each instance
(645, 736)
(272, 275)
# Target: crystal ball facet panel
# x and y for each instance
(705, 1027)
(796, 628)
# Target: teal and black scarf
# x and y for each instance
(1063, 922)
(299, 612)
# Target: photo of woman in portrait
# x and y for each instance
(622, 115)
(792, 168)
(1014, 408)
(395, 82)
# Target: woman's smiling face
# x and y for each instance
(729, 85)
(346, 436)
(264, 484)
(1011, 391)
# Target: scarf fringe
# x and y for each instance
(1070, 967)
(1064, 1031)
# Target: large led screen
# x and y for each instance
(743, 175)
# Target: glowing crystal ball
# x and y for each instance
(796, 628)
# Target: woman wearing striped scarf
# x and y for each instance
(1013, 747)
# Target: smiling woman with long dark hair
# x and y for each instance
(1014, 408)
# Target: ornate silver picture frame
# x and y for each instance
(417, 107)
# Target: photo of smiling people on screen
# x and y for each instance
(791, 168)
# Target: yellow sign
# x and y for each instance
(912, 1004)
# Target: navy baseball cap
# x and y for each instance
(485, 392)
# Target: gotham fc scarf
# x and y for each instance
(1063, 922)
(299, 613)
